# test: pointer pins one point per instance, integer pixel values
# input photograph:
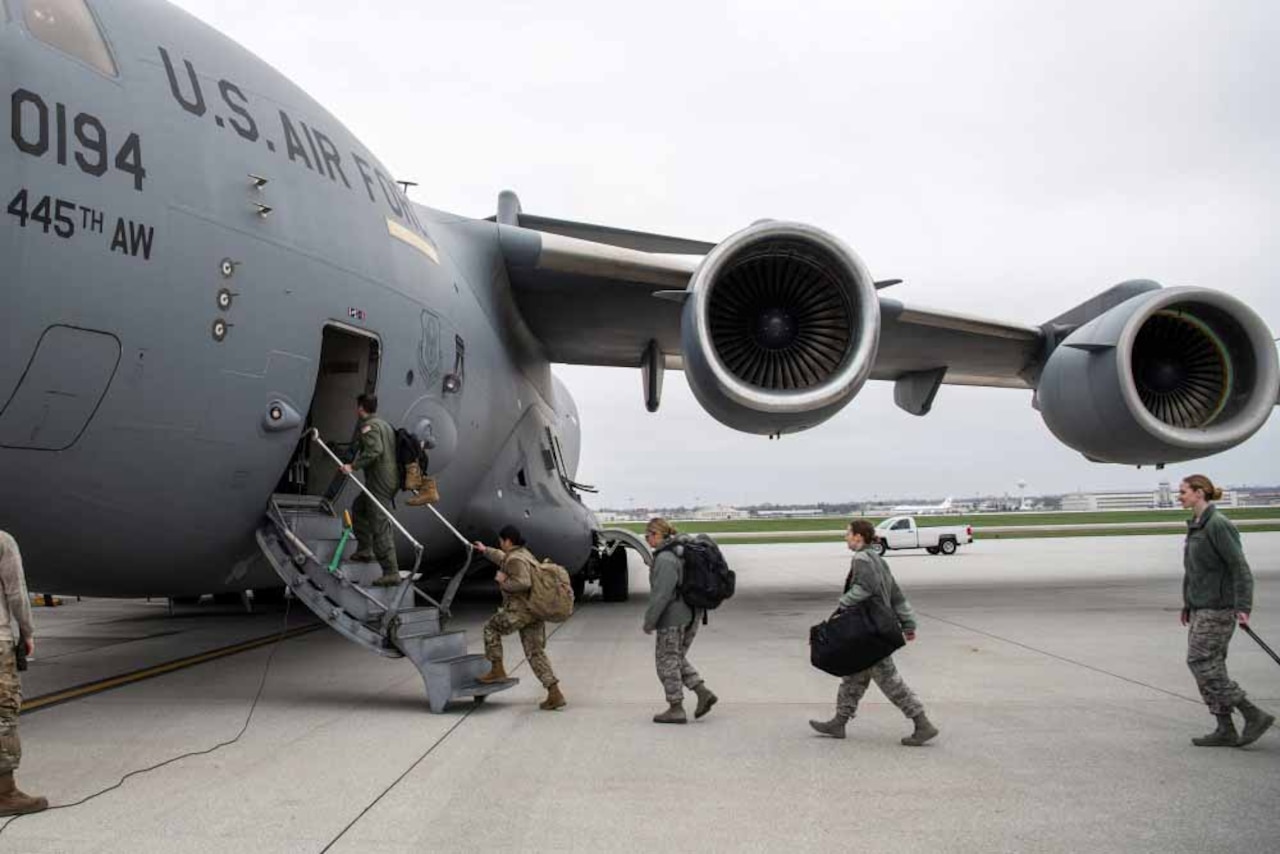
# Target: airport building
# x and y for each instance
(1163, 497)
(718, 512)
(801, 512)
(1258, 497)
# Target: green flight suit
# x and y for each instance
(377, 459)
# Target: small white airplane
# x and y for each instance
(925, 509)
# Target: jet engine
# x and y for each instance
(1166, 376)
(780, 328)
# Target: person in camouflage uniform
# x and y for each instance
(869, 576)
(516, 565)
(676, 625)
(376, 457)
(15, 605)
(1217, 593)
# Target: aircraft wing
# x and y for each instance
(779, 325)
(597, 296)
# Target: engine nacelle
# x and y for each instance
(780, 329)
(1166, 376)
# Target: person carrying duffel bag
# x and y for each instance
(857, 642)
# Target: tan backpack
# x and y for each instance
(551, 597)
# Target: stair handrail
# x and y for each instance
(454, 583)
(417, 546)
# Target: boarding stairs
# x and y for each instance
(308, 543)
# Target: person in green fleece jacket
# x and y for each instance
(869, 576)
(1217, 592)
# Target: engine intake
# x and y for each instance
(1166, 376)
(781, 328)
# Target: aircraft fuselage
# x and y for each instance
(180, 238)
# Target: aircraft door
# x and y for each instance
(59, 393)
(349, 362)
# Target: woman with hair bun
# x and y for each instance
(675, 623)
(1217, 592)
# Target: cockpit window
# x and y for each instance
(69, 26)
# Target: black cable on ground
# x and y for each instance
(252, 708)
(420, 759)
(1063, 658)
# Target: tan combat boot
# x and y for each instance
(13, 801)
(555, 700)
(496, 674)
(413, 477)
(427, 493)
(387, 579)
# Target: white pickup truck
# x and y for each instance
(901, 532)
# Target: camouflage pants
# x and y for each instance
(373, 531)
(1211, 631)
(533, 637)
(887, 680)
(10, 705)
(670, 653)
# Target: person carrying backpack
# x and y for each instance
(869, 576)
(376, 441)
(675, 623)
(516, 566)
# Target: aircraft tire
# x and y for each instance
(268, 595)
(948, 547)
(613, 577)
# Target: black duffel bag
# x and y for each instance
(853, 639)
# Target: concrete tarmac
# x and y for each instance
(1054, 668)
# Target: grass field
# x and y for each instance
(835, 536)
(836, 524)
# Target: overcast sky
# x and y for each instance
(1009, 159)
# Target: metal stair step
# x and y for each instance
(417, 623)
(289, 501)
(462, 668)
(429, 649)
(313, 526)
(484, 689)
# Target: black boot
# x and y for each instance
(1256, 722)
(1223, 736)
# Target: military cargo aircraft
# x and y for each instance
(202, 266)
